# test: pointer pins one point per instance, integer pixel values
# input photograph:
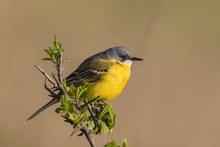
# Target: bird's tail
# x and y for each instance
(50, 103)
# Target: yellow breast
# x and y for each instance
(111, 84)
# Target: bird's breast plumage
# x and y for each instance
(111, 84)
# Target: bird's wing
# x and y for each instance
(80, 77)
(91, 70)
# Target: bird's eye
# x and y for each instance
(123, 56)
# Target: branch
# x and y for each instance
(52, 93)
(46, 75)
(88, 136)
(60, 68)
(60, 60)
(60, 86)
(94, 119)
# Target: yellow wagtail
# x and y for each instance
(106, 73)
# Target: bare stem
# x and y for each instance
(46, 76)
(88, 136)
(60, 86)
(60, 68)
(52, 94)
(94, 119)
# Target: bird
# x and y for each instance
(106, 74)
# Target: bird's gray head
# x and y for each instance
(121, 54)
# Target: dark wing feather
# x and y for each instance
(80, 77)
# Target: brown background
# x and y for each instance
(172, 98)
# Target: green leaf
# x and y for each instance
(104, 128)
(105, 110)
(61, 50)
(73, 91)
(77, 92)
(64, 83)
(125, 142)
(85, 109)
(71, 107)
(59, 110)
(90, 124)
(48, 51)
(47, 59)
(81, 92)
(112, 114)
(65, 86)
(112, 144)
(57, 44)
(64, 101)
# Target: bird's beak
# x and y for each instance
(136, 59)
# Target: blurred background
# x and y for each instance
(172, 98)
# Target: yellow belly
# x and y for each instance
(111, 84)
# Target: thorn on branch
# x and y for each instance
(74, 131)
(66, 59)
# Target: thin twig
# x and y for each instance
(52, 94)
(60, 68)
(60, 86)
(94, 119)
(89, 102)
(74, 131)
(46, 75)
(88, 136)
